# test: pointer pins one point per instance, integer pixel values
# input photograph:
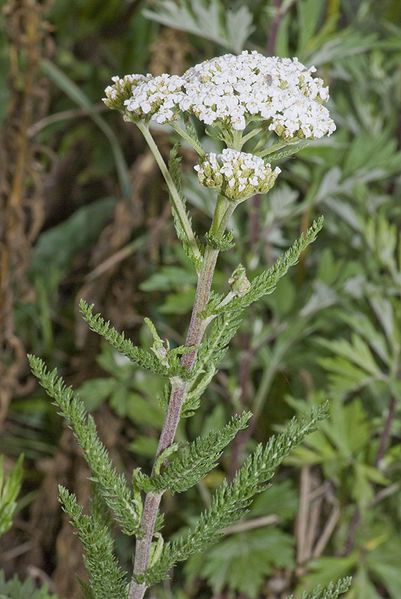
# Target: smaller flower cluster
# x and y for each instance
(237, 175)
(121, 90)
(155, 98)
(144, 97)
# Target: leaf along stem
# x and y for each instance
(197, 326)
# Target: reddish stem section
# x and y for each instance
(194, 337)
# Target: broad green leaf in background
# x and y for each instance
(57, 246)
(240, 563)
(16, 589)
(204, 19)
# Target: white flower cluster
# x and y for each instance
(156, 97)
(145, 96)
(231, 90)
(121, 89)
(237, 175)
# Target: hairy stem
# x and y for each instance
(179, 387)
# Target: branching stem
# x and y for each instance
(196, 330)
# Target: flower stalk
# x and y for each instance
(175, 196)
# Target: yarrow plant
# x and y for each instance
(231, 91)
(271, 105)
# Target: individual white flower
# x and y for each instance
(230, 90)
(237, 175)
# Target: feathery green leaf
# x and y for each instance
(139, 356)
(232, 500)
(191, 463)
(108, 581)
(333, 591)
(112, 485)
(265, 283)
(230, 316)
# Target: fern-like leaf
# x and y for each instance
(230, 316)
(107, 579)
(333, 591)
(139, 356)
(191, 463)
(265, 283)
(112, 485)
(232, 500)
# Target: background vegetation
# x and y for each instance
(84, 214)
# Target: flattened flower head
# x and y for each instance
(230, 90)
(237, 175)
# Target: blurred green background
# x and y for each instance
(84, 213)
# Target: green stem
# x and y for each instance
(192, 142)
(175, 196)
(251, 134)
(274, 148)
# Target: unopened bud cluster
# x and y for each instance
(237, 175)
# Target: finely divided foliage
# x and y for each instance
(333, 591)
(112, 485)
(267, 281)
(195, 460)
(236, 97)
(232, 500)
(108, 581)
(137, 355)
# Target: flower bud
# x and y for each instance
(239, 282)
